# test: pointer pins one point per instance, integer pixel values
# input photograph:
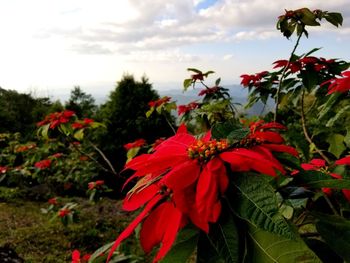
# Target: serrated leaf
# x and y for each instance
(257, 203)
(270, 248)
(335, 230)
(336, 145)
(185, 245)
(221, 244)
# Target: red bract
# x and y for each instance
(3, 169)
(137, 143)
(183, 180)
(208, 91)
(253, 80)
(82, 124)
(157, 103)
(183, 109)
(64, 212)
(339, 84)
(97, 184)
(57, 118)
(76, 257)
(25, 148)
(320, 164)
(43, 164)
(198, 76)
(293, 66)
(57, 155)
(53, 201)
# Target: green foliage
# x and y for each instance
(81, 103)
(257, 204)
(266, 247)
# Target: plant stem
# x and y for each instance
(330, 204)
(306, 134)
(284, 75)
(104, 157)
(169, 123)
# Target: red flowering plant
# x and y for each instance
(95, 189)
(238, 191)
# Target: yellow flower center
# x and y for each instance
(204, 151)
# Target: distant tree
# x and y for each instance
(19, 112)
(124, 116)
(81, 103)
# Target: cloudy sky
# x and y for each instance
(47, 47)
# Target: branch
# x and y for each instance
(284, 75)
(104, 157)
(306, 134)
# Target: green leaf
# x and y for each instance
(270, 248)
(335, 19)
(340, 114)
(132, 153)
(44, 131)
(217, 82)
(79, 135)
(308, 17)
(326, 107)
(195, 70)
(223, 130)
(238, 134)
(187, 83)
(221, 244)
(335, 230)
(347, 138)
(336, 145)
(330, 183)
(149, 112)
(257, 203)
(185, 245)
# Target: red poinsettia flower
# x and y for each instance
(137, 143)
(159, 102)
(57, 118)
(76, 257)
(53, 201)
(254, 79)
(57, 155)
(43, 164)
(3, 169)
(320, 164)
(97, 184)
(209, 91)
(184, 179)
(183, 109)
(86, 122)
(198, 76)
(339, 84)
(64, 212)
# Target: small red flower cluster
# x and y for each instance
(314, 63)
(3, 169)
(157, 103)
(183, 109)
(24, 148)
(43, 164)
(57, 118)
(198, 76)
(207, 91)
(253, 80)
(77, 259)
(53, 201)
(184, 179)
(82, 124)
(320, 165)
(95, 185)
(64, 212)
(137, 143)
(339, 84)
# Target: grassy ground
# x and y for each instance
(31, 234)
